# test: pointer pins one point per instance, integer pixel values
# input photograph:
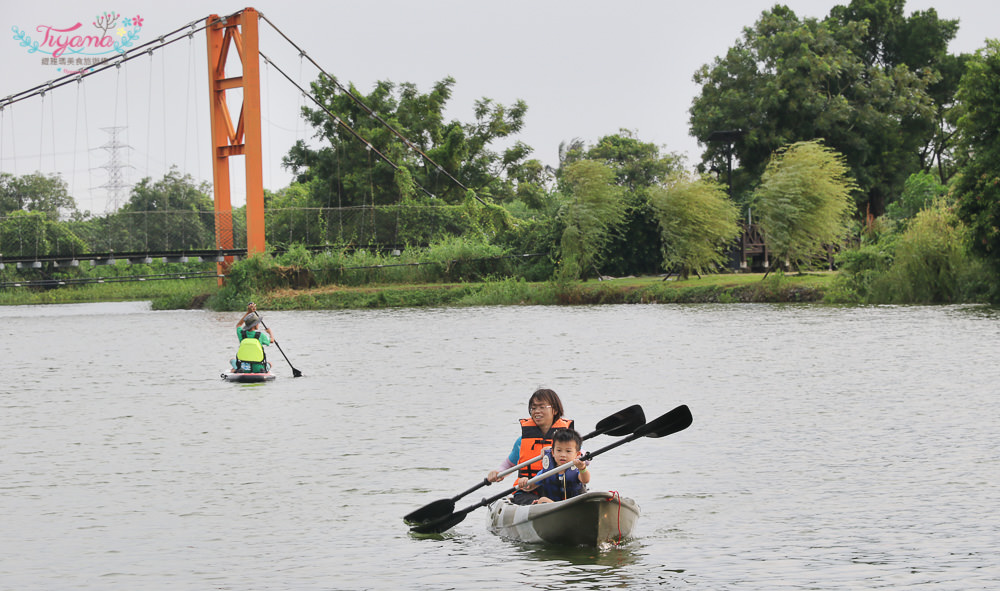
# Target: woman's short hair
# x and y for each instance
(547, 396)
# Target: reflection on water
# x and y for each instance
(608, 555)
(832, 447)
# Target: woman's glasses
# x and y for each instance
(533, 408)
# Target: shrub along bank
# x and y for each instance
(194, 294)
(642, 290)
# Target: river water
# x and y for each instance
(832, 448)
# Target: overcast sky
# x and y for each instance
(585, 68)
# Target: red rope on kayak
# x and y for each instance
(614, 495)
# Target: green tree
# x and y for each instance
(36, 234)
(978, 185)
(290, 219)
(804, 201)
(594, 208)
(342, 171)
(919, 192)
(930, 264)
(697, 220)
(35, 192)
(920, 42)
(639, 167)
(840, 79)
(173, 213)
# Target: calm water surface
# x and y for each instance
(832, 448)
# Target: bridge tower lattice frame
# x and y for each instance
(242, 139)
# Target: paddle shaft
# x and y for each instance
(444, 507)
(621, 423)
(557, 470)
(512, 469)
(538, 458)
(295, 373)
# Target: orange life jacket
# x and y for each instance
(532, 442)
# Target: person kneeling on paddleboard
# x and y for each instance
(250, 357)
(573, 481)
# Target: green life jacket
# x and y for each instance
(250, 357)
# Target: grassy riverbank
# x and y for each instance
(172, 294)
(638, 290)
(184, 294)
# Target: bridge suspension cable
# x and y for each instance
(339, 121)
(174, 36)
(363, 106)
(188, 31)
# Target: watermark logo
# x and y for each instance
(75, 48)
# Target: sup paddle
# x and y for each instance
(621, 423)
(671, 422)
(295, 373)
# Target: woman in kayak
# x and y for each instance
(545, 412)
(569, 483)
(250, 358)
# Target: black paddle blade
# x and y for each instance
(430, 512)
(440, 525)
(622, 422)
(296, 373)
(671, 422)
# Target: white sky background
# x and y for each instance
(585, 68)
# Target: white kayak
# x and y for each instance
(232, 376)
(590, 519)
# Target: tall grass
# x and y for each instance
(927, 262)
(931, 263)
(453, 259)
(164, 295)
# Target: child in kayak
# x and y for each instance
(571, 482)
(545, 417)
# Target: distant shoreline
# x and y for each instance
(198, 294)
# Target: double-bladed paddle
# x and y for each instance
(621, 423)
(671, 422)
(295, 373)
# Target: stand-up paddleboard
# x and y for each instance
(247, 378)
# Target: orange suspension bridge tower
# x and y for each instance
(242, 138)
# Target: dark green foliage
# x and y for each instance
(344, 172)
(36, 192)
(862, 267)
(532, 236)
(978, 185)
(633, 247)
(637, 248)
(930, 262)
(453, 259)
(173, 213)
(867, 80)
(919, 192)
(926, 263)
(36, 234)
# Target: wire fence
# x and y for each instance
(31, 235)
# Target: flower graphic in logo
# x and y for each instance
(138, 21)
